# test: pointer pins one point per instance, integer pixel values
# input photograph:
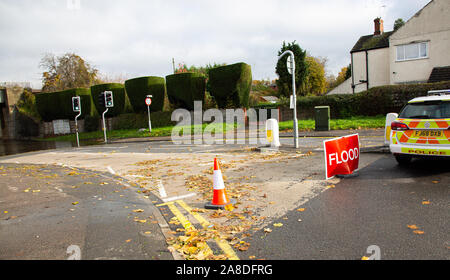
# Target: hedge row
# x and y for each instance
(136, 121)
(375, 101)
(138, 88)
(118, 91)
(230, 85)
(185, 88)
(58, 105)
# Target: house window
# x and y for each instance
(412, 51)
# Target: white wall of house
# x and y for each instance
(344, 88)
(378, 61)
(359, 70)
(378, 67)
(431, 25)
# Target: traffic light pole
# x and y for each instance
(104, 125)
(76, 128)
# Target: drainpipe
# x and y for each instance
(367, 70)
(353, 76)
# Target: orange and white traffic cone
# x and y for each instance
(220, 199)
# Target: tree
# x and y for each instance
(284, 82)
(315, 83)
(398, 23)
(66, 72)
(344, 74)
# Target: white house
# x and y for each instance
(417, 52)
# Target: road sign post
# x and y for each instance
(76, 106)
(148, 101)
(290, 63)
(108, 103)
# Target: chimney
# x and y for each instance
(378, 26)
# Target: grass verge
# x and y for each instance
(358, 122)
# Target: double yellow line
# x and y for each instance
(226, 248)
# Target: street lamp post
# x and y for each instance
(291, 70)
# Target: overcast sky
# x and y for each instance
(140, 37)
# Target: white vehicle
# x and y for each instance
(422, 128)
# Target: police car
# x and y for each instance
(422, 128)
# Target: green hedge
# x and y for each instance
(118, 98)
(375, 101)
(185, 88)
(138, 88)
(230, 85)
(136, 121)
(58, 105)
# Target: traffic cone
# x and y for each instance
(220, 199)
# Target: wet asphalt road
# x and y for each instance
(374, 208)
(44, 210)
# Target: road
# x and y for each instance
(116, 192)
(374, 208)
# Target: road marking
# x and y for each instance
(111, 170)
(229, 252)
(162, 191)
(226, 248)
(186, 224)
(177, 197)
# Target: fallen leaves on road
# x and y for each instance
(75, 203)
(415, 229)
(301, 209)
(142, 221)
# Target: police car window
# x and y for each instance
(426, 110)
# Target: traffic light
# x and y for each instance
(76, 104)
(109, 99)
(101, 99)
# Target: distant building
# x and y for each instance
(271, 99)
(417, 52)
(10, 93)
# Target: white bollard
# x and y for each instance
(387, 128)
(273, 133)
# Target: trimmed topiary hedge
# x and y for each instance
(230, 85)
(58, 105)
(136, 121)
(118, 98)
(185, 88)
(138, 88)
(375, 101)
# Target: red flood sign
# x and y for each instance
(341, 155)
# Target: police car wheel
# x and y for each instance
(403, 159)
